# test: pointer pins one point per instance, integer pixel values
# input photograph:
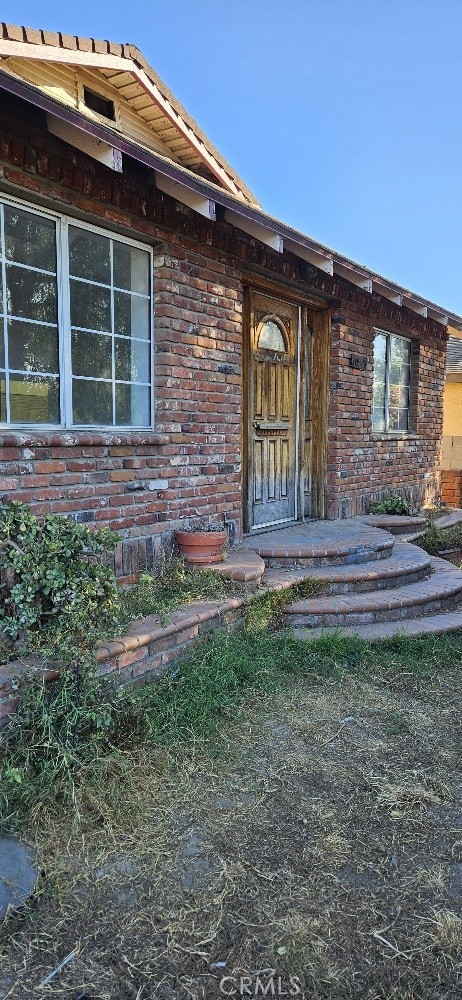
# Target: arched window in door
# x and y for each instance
(271, 336)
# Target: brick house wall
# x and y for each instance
(364, 466)
(143, 483)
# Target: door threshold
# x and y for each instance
(271, 527)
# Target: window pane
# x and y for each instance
(400, 350)
(2, 397)
(92, 402)
(131, 315)
(132, 405)
(30, 239)
(32, 347)
(91, 355)
(378, 420)
(380, 354)
(131, 268)
(379, 396)
(2, 345)
(399, 395)
(34, 399)
(132, 360)
(30, 294)
(398, 419)
(89, 255)
(90, 306)
(270, 337)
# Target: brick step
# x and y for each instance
(442, 590)
(396, 524)
(318, 545)
(242, 566)
(407, 564)
(444, 623)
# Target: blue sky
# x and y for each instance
(343, 116)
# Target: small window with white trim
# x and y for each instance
(392, 379)
(75, 324)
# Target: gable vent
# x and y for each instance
(101, 105)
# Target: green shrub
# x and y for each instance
(393, 505)
(53, 579)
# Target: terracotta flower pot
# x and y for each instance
(201, 547)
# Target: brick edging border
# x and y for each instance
(148, 651)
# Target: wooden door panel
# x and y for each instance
(272, 411)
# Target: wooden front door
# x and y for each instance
(272, 432)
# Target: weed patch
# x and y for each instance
(289, 830)
(173, 584)
(437, 540)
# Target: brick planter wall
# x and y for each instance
(148, 652)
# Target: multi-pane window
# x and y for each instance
(392, 368)
(75, 324)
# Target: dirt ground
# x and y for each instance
(315, 849)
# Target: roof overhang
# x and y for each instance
(202, 196)
(124, 64)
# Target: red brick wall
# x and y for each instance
(365, 466)
(142, 484)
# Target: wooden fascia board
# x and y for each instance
(97, 60)
(51, 53)
(153, 91)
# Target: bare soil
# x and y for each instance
(318, 837)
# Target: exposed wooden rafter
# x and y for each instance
(253, 228)
(204, 206)
(96, 148)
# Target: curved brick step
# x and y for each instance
(321, 543)
(397, 524)
(444, 623)
(242, 566)
(442, 590)
(407, 564)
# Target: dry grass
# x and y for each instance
(319, 836)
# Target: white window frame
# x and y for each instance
(388, 334)
(64, 324)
